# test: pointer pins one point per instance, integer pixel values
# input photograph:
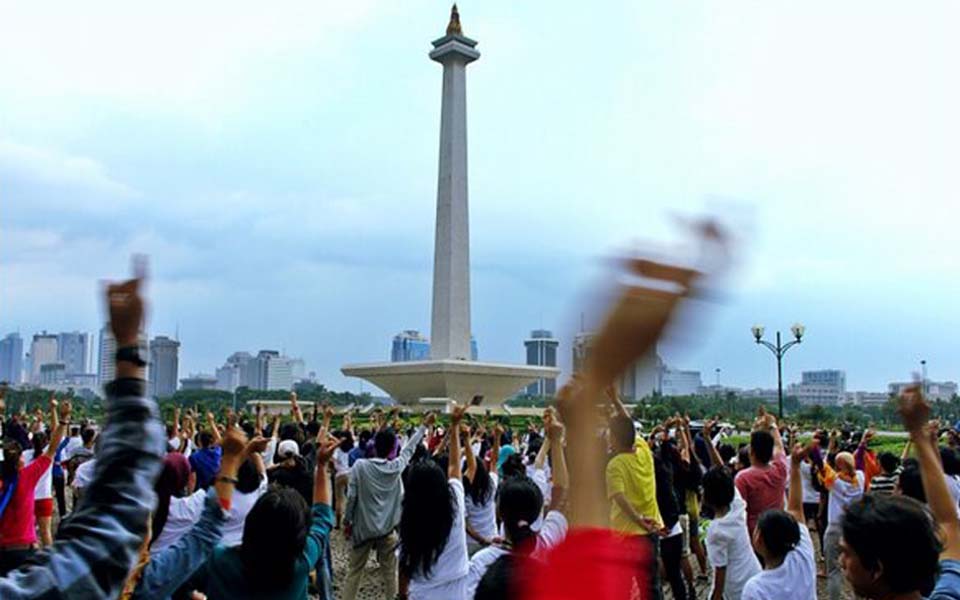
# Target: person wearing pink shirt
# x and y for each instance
(762, 485)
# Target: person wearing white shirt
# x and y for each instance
(728, 543)
(251, 484)
(341, 469)
(43, 493)
(846, 485)
(783, 541)
(433, 537)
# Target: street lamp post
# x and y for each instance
(779, 350)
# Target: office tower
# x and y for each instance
(11, 359)
(542, 352)
(164, 366)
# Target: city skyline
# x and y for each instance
(264, 222)
(807, 384)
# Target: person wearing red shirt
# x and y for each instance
(764, 483)
(18, 531)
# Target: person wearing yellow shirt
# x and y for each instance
(632, 492)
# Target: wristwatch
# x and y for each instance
(130, 354)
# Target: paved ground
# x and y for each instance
(370, 588)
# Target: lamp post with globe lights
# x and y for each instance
(779, 350)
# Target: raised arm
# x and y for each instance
(59, 421)
(295, 409)
(176, 423)
(321, 477)
(453, 465)
(614, 396)
(914, 411)
(406, 453)
(96, 547)
(212, 424)
(715, 459)
(327, 417)
(258, 423)
(468, 449)
(795, 499)
(561, 479)
(495, 451)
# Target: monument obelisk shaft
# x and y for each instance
(450, 323)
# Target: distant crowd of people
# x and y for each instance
(583, 504)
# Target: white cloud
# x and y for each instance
(45, 166)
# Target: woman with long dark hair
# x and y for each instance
(18, 532)
(282, 542)
(519, 505)
(433, 539)
(480, 493)
(178, 505)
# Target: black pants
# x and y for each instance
(11, 560)
(59, 489)
(671, 552)
(649, 568)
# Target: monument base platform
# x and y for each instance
(459, 380)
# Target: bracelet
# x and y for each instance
(226, 479)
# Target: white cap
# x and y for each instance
(288, 448)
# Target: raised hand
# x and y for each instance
(325, 451)
(65, 409)
(641, 314)
(234, 443)
(554, 431)
(914, 409)
(457, 412)
(126, 307)
(256, 445)
(430, 420)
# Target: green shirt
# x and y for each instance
(228, 577)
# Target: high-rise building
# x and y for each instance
(11, 359)
(52, 373)
(228, 377)
(107, 355)
(43, 350)
(408, 346)
(298, 369)
(279, 373)
(75, 352)
(542, 352)
(827, 387)
(106, 364)
(164, 366)
(674, 382)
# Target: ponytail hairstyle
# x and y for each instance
(779, 531)
(519, 505)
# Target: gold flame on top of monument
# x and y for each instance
(453, 28)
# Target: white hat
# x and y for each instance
(288, 448)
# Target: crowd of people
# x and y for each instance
(584, 504)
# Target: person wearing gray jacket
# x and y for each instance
(374, 498)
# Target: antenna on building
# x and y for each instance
(581, 322)
(176, 334)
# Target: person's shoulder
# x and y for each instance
(487, 555)
(948, 583)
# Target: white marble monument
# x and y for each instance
(450, 374)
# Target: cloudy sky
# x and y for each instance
(278, 163)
